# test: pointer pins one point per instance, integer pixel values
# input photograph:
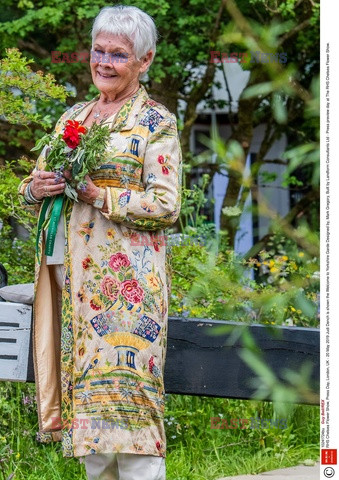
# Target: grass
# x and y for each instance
(194, 450)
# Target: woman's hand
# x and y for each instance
(46, 184)
(89, 194)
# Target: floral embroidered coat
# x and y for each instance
(99, 375)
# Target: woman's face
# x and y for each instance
(114, 74)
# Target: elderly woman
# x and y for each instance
(101, 299)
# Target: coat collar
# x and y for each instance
(127, 114)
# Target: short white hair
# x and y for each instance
(131, 22)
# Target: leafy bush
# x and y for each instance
(221, 286)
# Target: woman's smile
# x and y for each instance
(107, 75)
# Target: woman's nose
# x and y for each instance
(108, 60)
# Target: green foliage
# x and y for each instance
(220, 286)
(16, 255)
(195, 451)
(229, 452)
(20, 87)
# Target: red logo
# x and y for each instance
(329, 456)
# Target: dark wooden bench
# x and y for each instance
(199, 361)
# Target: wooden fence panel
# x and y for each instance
(15, 342)
(198, 362)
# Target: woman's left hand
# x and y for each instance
(91, 192)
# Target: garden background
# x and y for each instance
(275, 282)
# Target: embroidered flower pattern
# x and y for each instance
(163, 160)
(132, 291)
(110, 287)
(118, 260)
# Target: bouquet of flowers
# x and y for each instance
(78, 149)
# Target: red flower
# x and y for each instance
(95, 303)
(131, 290)
(165, 170)
(72, 133)
(161, 159)
(86, 263)
(158, 445)
(118, 260)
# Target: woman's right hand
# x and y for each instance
(47, 184)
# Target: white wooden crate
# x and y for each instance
(15, 333)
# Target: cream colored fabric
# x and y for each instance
(110, 362)
(125, 466)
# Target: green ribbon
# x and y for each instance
(41, 221)
(51, 222)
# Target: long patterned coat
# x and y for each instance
(99, 375)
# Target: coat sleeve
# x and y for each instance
(31, 207)
(158, 205)
(40, 165)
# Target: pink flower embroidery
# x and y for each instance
(165, 170)
(131, 291)
(118, 260)
(161, 159)
(110, 287)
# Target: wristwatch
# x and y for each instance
(100, 199)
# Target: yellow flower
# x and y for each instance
(284, 258)
(293, 309)
(299, 311)
(301, 254)
(271, 263)
(179, 309)
(274, 269)
(17, 456)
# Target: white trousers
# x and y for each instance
(124, 466)
(115, 466)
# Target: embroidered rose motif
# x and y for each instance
(131, 291)
(118, 260)
(110, 287)
(86, 263)
(161, 159)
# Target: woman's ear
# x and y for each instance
(146, 60)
